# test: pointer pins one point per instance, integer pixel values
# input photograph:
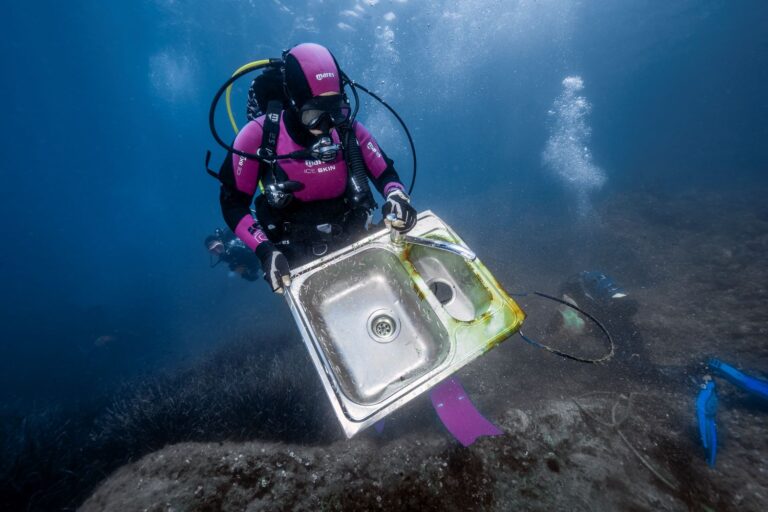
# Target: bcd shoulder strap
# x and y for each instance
(269, 170)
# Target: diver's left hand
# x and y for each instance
(399, 204)
(277, 273)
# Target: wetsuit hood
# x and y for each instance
(310, 71)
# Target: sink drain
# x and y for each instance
(383, 326)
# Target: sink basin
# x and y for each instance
(371, 324)
(384, 322)
(451, 279)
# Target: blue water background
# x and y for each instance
(105, 202)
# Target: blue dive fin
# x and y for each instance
(749, 384)
(706, 409)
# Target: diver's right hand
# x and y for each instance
(277, 273)
(399, 204)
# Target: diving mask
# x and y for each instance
(329, 108)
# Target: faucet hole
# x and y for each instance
(442, 290)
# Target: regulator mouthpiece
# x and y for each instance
(324, 149)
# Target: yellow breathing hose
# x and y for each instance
(251, 65)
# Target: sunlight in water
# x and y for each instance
(173, 76)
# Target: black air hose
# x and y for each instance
(358, 190)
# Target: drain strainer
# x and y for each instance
(383, 326)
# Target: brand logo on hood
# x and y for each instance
(321, 76)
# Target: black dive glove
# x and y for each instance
(276, 270)
(399, 203)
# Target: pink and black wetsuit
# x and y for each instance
(309, 71)
(321, 201)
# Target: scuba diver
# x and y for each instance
(314, 165)
(225, 246)
(596, 292)
(601, 296)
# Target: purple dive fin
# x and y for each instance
(458, 414)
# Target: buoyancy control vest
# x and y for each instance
(286, 219)
(266, 95)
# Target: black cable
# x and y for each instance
(604, 358)
(347, 81)
(354, 85)
(215, 102)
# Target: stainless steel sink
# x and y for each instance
(386, 321)
(370, 323)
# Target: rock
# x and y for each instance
(550, 458)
